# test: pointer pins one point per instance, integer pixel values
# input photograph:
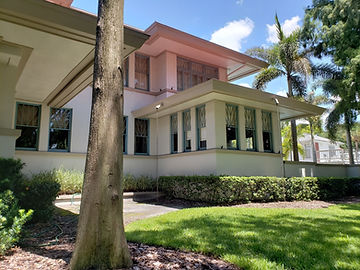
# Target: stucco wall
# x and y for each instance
(320, 170)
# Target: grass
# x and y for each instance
(261, 238)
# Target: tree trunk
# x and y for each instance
(100, 241)
(348, 140)
(312, 142)
(293, 126)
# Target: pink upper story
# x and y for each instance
(172, 60)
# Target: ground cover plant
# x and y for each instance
(261, 238)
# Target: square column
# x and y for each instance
(215, 125)
(276, 133)
(241, 128)
(193, 129)
(259, 134)
(180, 132)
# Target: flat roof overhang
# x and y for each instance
(229, 93)
(51, 48)
(165, 38)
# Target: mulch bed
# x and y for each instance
(50, 245)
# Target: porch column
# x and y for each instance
(180, 132)
(259, 134)
(193, 129)
(8, 134)
(215, 125)
(241, 128)
(276, 132)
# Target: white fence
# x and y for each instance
(333, 156)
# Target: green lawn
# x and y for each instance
(261, 238)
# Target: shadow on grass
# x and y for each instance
(254, 238)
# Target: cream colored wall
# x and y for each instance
(321, 170)
(164, 135)
(244, 163)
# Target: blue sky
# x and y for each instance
(238, 24)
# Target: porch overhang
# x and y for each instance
(51, 49)
(230, 93)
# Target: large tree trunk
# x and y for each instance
(348, 140)
(100, 241)
(293, 126)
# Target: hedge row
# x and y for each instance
(231, 189)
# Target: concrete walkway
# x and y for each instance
(137, 205)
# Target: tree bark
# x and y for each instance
(100, 241)
(348, 140)
(293, 126)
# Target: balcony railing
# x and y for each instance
(333, 156)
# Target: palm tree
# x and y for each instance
(287, 144)
(345, 107)
(286, 59)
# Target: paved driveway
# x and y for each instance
(136, 206)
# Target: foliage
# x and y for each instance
(287, 139)
(37, 192)
(140, 183)
(255, 238)
(232, 189)
(12, 219)
(333, 28)
(40, 192)
(71, 181)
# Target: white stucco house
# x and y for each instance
(183, 114)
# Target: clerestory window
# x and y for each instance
(267, 131)
(250, 129)
(60, 129)
(231, 118)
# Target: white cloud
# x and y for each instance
(245, 85)
(282, 93)
(239, 2)
(288, 27)
(233, 33)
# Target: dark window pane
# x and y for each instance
(175, 142)
(126, 72)
(141, 145)
(250, 139)
(267, 141)
(187, 145)
(202, 144)
(231, 138)
(28, 138)
(59, 139)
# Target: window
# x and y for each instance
(191, 73)
(308, 151)
(267, 131)
(250, 129)
(141, 136)
(28, 120)
(142, 66)
(187, 130)
(174, 133)
(125, 134)
(126, 72)
(231, 115)
(201, 127)
(60, 129)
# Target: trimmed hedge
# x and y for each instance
(231, 189)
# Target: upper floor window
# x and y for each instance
(142, 136)
(267, 131)
(231, 118)
(174, 133)
(191, 73)
(28, 121)
(142, 74)
(126, 72)
(250, 129)
(187, 130)
(201, 127)
(60, 129)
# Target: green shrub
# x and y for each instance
(332, 187)
(12, 220)
(70, 181)
(39, 194)
(231, 189)
(353, 187)
(11, 177)
(141, 183)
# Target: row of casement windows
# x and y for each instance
(28, 121)
(232, 134)
(189, 73)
